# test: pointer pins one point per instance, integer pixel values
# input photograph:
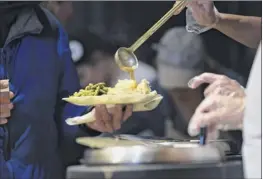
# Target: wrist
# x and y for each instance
(219, 19)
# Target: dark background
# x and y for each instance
(125, 21)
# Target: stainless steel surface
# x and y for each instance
(222, 145)
(151, 141)
(186, 153)
(222, 170)
(148, 139)
(133, 140)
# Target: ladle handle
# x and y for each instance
(178, 6)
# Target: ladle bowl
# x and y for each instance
(126, 59)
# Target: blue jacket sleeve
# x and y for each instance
(5, 170)
(69, 83)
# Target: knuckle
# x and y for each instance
(219, 82)
(205, 74)
(234, 82)
(223, 78)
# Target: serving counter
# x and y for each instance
(221, 170)
(164, 160)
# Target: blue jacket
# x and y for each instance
(36, 143)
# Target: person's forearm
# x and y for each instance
(244, 29)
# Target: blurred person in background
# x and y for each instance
(222, 107)
(35, 141)
(94, 60)
(93, 57)
(63, 10)
(180, 56)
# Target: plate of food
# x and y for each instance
(124, 92)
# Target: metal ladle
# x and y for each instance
(125, 57)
